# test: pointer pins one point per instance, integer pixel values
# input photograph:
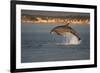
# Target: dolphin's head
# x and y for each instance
(52, 32)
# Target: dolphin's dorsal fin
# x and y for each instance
(67, 24)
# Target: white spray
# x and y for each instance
(70, 39)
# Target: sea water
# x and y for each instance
(38, 45)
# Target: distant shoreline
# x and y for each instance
(51, 23)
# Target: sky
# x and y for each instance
(53, 13)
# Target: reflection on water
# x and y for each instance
(41, 47)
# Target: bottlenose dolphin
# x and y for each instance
(65, 30)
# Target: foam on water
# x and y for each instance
(69, 39)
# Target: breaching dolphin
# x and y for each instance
(65, 30)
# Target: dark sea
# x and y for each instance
(38, 45)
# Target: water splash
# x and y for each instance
(72, 40)
(69, 40)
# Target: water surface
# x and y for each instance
(37, 44)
